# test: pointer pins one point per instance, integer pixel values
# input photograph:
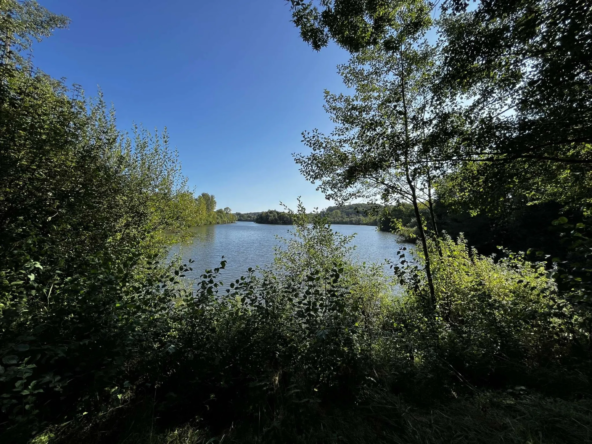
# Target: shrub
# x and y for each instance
(496, 323)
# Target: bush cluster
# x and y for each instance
(84, 213)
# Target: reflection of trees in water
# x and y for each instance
(194, 243)
(206, 233)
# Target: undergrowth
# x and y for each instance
(317, 349)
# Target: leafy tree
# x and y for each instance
(354, 25)
(84, 212)
(528, 57)
(516, 74)
(520, 74)
(313, 247)
(210, 201)
(21, 22)
(250, 217)
(224, 217)
(401, 220)
(383, 143)
(356, 214)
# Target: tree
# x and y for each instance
(386, 133)
(530, 57)
(520, 73)
(313, 247)
(75, 207)
(84, 210)
(210, 202)
(273, 217)
(517, 71)
(353, 24)
(21, 22)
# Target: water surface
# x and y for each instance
(247, 244)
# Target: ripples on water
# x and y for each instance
(247, 244)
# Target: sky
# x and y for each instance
(232, 81)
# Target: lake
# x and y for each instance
(247, 244)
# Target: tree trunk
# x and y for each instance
(422, 235)
(424, 243)
(433, 216)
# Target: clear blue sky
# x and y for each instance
(232, 81)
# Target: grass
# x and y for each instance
(485, 418)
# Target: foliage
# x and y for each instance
(518, 318)
(84, 213)
(318, 350)
(399, 218)
(520, 228)
(494, 188)
(354, 214)
(313, 247)
(273, 217)
(190, 211)
(246, 217)
(354, 25)
(512, 86)
(518, 73)
(22, 22)
(101, 342)
(574, 267)
(527, 56)
(386, 131)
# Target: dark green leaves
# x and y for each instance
(356, 24)
(10, 360)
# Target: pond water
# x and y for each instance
(247, 244)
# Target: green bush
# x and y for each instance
(85, 212)
(496, 323)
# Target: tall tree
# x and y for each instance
(518, 71)
(210, 202)
(384, 138)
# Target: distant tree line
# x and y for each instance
(274, 217)
(392, 218)
(355, 214)
(246, 217)
(523, 228)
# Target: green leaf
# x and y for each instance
(10, 359)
